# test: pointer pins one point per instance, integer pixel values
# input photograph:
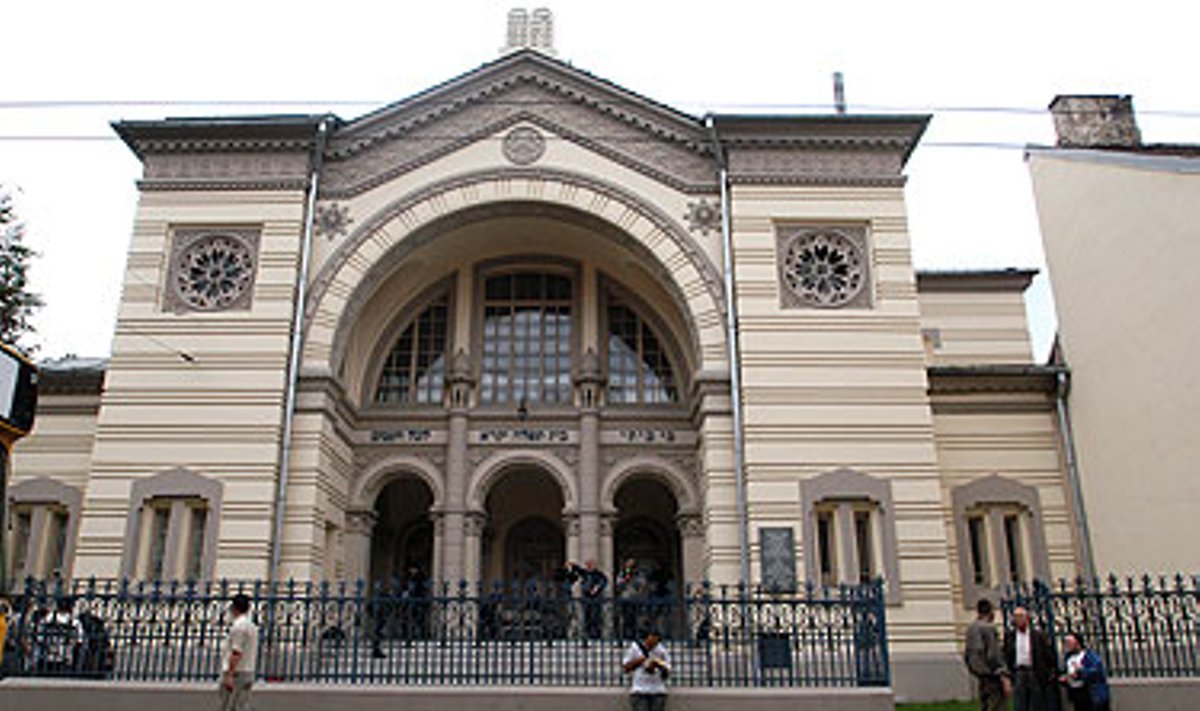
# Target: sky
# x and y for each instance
(986, 71)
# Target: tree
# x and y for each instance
(17, 303)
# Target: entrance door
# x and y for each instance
(534, 550)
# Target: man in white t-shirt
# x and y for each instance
(647, 660)
(238, 656)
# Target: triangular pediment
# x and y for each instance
(524, 87)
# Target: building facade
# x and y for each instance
(484, 330)
(1118, 219)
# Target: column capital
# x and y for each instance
(474, 523)
(361, 521)
(691, 525)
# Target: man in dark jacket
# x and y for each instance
(984, 659)
(1034, 666)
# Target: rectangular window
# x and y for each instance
(827, 563)
(1012, 541)
(978, 549)
(160, 519)
(863, 540)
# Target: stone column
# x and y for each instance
(1000, 561)
(589, 384)
(571, 526)
(605, 560)
(360, 524)
(36, 546)
(452, 556)
(473, 523)
(692, 535)
(849, 557)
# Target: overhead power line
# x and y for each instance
(48, 104)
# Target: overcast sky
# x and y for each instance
(969, 207)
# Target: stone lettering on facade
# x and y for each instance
(523, 435)
(406, 436)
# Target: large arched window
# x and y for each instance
(526, 338)
(638, 369)
(415, 369)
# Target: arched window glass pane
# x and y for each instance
(526, 339)
(415, 369)
(638, 368)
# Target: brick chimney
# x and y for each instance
(1095, 121)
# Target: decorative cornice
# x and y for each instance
(255, 134)
(1011, 279)
(220, 184)
(1017, 378)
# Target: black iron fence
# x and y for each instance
(516, 634)
(1140, 627)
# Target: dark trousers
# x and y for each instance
(991, 694)
(1028, 691)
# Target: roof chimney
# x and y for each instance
(1095, 121)
(530, 31)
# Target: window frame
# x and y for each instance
(612, 291)
(996, 500)
(861, 494)
(399, 323)
(43, 500)
(179, 492)
(526, 265)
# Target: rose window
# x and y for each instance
(824, 268)
(214, 272)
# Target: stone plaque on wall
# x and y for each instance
(778, 556)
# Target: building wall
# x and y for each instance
(975, 327)
(832, 388)
(1014, 436)
(1119, 230)
(218, 414)
(60, 445)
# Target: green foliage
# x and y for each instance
(17, 303)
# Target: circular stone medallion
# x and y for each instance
(824, 268)
(214, 272)
(524, 145)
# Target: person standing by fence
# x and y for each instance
(59, 639)
(1030, 657)
(984, 659)
(647, 660)
(1086, 682)
(238, 657)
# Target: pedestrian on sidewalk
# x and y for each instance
(647, 660)
(238, 657)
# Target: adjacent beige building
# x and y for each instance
(1119, 221)
(511, 350)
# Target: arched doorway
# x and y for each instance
(402, 539)
(524, 538)
(646, 533)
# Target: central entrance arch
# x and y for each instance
(524, 539)
(402, 541)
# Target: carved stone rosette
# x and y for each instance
(823, 267)
(211, 269)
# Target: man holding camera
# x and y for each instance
(647, 661)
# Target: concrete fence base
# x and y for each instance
(54, 695)
(1156, 694)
